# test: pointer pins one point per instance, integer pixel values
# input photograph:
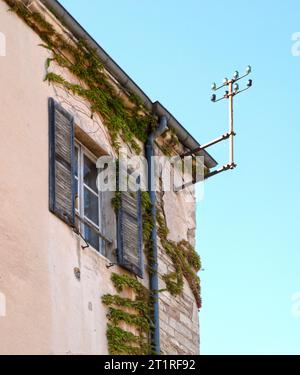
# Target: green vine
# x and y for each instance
(185, 260)
(147, 217)
(123, 281)
(116, 201)
(121, 341)
(116, 300)
(123, 114)
(126, 118)
(171, 142)
(115, 316)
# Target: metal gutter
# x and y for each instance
(80, 33)
(118, 73)
(183, 135)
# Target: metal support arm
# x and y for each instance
(208, 144)
(233, 90)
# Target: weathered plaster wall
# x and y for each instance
(48, 310)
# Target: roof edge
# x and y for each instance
(123, 78)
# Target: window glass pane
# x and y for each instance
(76, 161)
(91, 237)
(90, 174)
(91, 206)
(76, 194)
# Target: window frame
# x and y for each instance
(84, 221)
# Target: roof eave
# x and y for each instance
(122, 77)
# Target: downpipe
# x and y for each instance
(149, 150)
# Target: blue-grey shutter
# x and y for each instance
(61, 163)
(130, 233)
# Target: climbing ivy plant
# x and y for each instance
(185, 259)
(128, 312)
(126, 118)
(130, 122)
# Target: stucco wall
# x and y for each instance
(48, 309)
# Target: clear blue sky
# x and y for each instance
(249, 220)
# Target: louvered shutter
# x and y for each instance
(61, 163)
(130, 233)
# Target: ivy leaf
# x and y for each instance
(48, 62)
(47, 46)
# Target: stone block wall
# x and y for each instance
(179, 315)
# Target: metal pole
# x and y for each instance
(231, 132)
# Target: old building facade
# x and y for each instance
(59, 251)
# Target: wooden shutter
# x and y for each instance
(130, 233)
(61, 163)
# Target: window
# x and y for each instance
(75, 199)
(88, 198)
